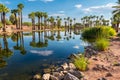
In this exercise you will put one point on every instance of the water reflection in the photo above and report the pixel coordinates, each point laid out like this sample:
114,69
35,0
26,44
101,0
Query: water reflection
38,50
5,52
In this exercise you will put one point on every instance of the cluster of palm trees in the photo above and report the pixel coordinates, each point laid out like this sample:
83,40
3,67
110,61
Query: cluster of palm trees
18,15
116,16
92,21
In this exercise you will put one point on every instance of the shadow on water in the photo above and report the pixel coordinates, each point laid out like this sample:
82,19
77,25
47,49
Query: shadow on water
24,54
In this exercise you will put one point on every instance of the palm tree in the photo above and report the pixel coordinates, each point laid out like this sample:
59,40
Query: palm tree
38,15
4,10
52,21
45,20
41,16
74,20
20,6
116,15
15,11
32,17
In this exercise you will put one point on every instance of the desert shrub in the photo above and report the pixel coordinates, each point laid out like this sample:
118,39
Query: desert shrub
8,22
101,44
27,23
94,33
81,63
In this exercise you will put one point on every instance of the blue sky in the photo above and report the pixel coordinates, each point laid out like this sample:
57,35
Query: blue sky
64,8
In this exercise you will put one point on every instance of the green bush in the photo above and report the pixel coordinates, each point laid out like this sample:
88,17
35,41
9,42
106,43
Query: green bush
81,63
101,44
94,33
27,23
8,22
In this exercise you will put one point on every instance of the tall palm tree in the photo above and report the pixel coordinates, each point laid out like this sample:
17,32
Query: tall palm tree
4,10
15,11
41,17
52,21
45,19
32,17
116,15
38,15
74,20
21,6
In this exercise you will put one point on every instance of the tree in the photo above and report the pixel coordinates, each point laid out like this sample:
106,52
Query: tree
38,15
15,11
116,15
4,10
52,21
32,17
45,20
12,18
20,7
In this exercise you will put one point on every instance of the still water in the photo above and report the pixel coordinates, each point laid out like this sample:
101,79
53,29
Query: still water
23,54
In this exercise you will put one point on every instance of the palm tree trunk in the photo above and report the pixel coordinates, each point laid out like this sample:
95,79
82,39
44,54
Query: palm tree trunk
4,23
21,20
38,23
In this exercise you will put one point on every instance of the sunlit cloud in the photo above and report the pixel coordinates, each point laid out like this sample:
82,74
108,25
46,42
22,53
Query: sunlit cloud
31,0
99,8
42,53
57,14
78,6
76,47
47,1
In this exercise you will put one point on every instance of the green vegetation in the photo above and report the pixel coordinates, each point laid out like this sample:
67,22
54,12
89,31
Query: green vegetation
27,24
95,33
8,22
101,44
81,63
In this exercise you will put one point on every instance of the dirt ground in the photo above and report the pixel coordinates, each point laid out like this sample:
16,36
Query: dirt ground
105,65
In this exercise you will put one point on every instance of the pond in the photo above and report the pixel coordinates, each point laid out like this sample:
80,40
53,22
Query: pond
23,54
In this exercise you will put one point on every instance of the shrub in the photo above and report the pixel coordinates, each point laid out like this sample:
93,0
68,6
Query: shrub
101,44
27,24
8,22
81,63
94,33
1,25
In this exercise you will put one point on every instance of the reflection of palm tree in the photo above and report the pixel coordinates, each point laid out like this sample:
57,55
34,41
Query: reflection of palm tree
32,43
58,36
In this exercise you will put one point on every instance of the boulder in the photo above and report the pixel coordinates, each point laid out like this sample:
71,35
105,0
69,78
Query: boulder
46,77
69,76
77,73
53,77
65,66
58,75
102,78
108,74
37,77
72,66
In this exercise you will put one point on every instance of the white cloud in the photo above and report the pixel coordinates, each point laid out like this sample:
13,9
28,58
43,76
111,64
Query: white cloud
6,2
78,6
97,8
47,0
61,11
76,47
31,0
43,53
57,14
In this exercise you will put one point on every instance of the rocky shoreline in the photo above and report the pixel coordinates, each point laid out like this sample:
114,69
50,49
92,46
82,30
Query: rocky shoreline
103,65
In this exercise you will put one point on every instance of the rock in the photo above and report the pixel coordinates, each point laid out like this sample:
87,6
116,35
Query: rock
108,75
69,76
72,66
37,77
53,77
73,56
102,78
59,69
76,73
46,77
64,66
47,70
95,59
116,64
58,75
100,67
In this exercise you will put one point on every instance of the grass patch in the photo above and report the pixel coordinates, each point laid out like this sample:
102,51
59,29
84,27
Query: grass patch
81,63
101,44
